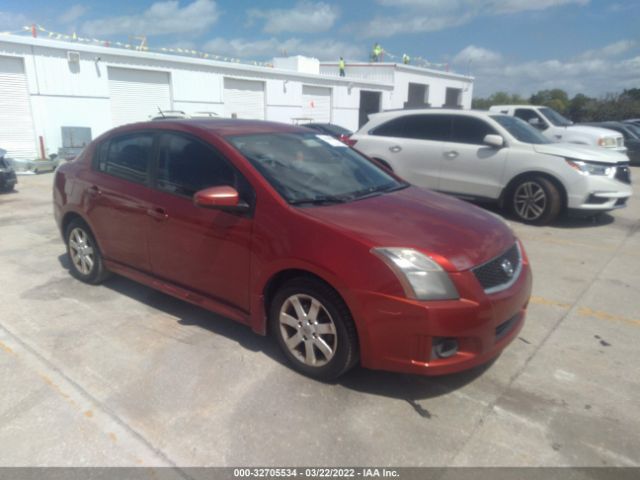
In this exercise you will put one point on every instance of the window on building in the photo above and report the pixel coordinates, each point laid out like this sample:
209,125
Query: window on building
418,96
127,157
453,97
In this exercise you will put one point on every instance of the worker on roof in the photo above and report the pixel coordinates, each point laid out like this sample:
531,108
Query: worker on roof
341,66
377,53
406,59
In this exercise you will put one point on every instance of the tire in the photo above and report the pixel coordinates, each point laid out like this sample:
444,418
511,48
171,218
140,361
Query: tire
314,321
85,258
535,200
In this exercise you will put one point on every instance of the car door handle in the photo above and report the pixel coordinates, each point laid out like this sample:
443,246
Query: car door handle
395,149
94,191
157,213
451,154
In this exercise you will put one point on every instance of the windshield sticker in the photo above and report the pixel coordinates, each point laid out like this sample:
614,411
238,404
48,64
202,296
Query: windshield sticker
334,142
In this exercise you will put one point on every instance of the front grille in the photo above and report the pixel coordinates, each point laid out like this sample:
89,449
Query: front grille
501,272
623,174
621,202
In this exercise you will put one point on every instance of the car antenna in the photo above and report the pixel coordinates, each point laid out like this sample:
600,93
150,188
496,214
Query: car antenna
160,111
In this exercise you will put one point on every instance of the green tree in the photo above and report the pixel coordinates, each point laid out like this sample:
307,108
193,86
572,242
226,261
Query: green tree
555,98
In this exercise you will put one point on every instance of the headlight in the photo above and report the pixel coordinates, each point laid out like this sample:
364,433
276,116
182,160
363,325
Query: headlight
421,277
608,142
590,168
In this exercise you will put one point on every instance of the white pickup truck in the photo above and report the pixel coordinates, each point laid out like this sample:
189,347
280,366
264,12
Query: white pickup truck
560,129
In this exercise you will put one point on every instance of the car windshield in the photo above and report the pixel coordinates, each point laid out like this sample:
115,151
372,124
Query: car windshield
555,118
520,129
635,129
313,169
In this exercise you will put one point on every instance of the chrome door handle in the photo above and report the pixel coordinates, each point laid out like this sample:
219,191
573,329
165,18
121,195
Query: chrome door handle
157,213
395,149
451,154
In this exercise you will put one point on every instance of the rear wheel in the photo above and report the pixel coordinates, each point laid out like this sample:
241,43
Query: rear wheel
84,255
314,328
535,200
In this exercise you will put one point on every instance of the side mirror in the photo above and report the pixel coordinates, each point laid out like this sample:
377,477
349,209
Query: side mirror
221,198
537,123
495,141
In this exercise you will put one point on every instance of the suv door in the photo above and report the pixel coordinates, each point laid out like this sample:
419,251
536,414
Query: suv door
472,168
117,196
205,250
412,145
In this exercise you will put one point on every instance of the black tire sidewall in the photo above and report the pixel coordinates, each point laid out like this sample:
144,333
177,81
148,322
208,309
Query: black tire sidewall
346,351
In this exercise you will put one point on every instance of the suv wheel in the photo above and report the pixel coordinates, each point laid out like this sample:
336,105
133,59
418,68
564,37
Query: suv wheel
314,328
84,254
535,200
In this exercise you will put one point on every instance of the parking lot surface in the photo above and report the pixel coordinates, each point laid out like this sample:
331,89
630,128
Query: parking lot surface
122,375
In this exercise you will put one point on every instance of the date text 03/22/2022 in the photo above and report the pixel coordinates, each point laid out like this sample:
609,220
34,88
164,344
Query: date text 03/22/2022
315,472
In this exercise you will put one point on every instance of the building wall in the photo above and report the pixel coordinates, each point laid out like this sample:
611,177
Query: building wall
77,94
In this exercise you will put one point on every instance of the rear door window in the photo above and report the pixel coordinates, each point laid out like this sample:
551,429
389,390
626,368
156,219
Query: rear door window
420,127
127,157
471,130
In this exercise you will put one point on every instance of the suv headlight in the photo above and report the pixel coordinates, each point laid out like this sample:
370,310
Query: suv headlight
420,276
591,168
608,142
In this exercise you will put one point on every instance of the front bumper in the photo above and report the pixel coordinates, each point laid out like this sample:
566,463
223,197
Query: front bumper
597,194
398,334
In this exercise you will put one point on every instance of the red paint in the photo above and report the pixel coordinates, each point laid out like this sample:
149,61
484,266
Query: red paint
224,261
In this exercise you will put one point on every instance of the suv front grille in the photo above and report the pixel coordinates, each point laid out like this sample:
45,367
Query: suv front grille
501,272
623,173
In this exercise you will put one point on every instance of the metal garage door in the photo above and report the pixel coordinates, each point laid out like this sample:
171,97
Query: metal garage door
137,94
17,135
243,98
316,103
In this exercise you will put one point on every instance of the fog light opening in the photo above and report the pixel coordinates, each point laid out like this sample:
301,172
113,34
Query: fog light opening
444,347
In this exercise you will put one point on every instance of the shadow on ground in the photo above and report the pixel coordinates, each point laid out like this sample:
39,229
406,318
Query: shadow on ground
409,388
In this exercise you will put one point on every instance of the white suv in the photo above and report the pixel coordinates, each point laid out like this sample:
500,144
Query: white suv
484,156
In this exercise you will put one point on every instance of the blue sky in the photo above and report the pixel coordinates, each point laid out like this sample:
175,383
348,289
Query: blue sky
521,46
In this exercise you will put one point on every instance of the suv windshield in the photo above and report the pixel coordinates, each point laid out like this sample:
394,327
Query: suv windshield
555,118
306,168
520,129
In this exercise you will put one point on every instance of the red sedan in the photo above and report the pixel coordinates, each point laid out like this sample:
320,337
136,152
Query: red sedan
297,235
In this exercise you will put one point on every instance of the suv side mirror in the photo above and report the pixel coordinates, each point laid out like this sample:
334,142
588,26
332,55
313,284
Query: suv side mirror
495,141
223,197
537,123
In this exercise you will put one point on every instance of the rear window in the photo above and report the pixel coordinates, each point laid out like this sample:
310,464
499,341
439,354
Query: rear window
127,157
418,127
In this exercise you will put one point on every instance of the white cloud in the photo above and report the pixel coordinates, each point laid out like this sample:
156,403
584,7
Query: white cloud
432,15
304,17
259,49
73,13
590,73
165,17
12,22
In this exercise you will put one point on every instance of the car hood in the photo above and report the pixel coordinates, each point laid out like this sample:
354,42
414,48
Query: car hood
581,152
438,225
593,131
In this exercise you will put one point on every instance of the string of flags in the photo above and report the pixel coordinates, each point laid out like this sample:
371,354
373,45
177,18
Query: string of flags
419,61
36,29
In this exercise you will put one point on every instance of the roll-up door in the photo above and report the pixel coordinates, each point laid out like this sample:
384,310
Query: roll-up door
243,98
316,103
17,135
137,94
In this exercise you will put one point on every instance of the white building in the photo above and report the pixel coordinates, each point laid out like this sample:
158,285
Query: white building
46,85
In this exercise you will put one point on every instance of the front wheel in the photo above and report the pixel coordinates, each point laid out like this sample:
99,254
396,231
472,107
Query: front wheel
536,201
314,328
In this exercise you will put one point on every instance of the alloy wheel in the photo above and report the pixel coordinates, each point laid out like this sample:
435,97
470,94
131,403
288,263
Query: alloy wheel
308,331
530,201
81,251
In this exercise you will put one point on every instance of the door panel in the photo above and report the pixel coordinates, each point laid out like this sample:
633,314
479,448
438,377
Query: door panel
205,250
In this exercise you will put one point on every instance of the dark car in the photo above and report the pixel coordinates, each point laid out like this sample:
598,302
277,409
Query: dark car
296,235
631,134
8,177
336,131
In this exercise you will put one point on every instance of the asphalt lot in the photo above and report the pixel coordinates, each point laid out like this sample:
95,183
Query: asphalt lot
122,375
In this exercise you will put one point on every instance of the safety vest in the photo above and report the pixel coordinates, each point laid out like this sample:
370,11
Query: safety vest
341,64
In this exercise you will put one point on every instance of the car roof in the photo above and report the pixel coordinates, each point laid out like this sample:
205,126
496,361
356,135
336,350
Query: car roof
217,126
432,111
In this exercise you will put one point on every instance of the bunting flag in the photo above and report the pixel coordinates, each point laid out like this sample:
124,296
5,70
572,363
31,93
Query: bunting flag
418,61
74,37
